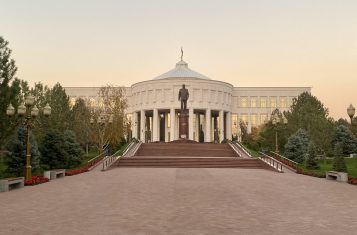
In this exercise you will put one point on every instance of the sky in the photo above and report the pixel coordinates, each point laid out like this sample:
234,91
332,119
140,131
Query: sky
246,43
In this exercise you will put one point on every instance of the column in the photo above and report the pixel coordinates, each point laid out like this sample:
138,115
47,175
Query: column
135,125
221,125
142,126
208,126
190,124
172,124
229,125
155,125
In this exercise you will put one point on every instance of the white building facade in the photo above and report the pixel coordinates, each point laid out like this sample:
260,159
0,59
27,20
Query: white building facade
215,108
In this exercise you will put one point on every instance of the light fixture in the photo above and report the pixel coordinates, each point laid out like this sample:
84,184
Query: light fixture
47,110
34,111
29,100
10,111
21,110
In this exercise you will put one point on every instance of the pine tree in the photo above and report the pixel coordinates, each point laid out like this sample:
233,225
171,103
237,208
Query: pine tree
9,91
339,163
17,156
311,161
344,136
297,146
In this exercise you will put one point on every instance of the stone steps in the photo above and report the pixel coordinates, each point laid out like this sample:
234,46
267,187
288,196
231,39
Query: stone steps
188,155
186,149
192,162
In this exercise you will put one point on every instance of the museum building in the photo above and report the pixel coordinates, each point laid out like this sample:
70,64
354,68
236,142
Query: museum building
215,108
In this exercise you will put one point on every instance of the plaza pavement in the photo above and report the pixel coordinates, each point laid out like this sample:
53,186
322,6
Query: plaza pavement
181,201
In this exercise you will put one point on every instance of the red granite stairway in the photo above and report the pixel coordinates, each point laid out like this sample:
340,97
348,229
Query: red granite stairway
188,155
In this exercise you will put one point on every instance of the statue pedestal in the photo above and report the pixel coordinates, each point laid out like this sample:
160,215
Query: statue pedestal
183,126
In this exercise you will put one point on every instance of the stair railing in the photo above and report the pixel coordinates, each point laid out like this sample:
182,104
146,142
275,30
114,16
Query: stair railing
110,160
242,148
271,162
286,161
91,163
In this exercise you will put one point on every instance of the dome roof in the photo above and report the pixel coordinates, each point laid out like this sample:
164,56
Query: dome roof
181,71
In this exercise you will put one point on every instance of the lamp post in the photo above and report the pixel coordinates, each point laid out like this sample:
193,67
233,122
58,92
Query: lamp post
351,112
30,113
276,119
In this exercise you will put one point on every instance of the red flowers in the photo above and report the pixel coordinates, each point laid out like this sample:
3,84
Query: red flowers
36,179
84,168
76,171
352,180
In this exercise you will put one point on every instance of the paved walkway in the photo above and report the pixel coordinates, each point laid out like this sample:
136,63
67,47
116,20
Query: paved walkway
181,201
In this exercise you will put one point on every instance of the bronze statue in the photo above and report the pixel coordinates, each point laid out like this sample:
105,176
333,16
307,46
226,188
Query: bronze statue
183,96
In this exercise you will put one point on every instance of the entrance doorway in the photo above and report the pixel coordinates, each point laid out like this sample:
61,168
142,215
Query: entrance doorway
162,127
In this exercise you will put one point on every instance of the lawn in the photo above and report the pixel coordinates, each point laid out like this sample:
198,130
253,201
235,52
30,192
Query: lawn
326,165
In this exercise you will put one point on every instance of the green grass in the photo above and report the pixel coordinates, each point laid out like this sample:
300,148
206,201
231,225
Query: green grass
326,165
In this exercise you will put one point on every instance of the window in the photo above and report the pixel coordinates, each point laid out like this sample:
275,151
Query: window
263,118
235,124
263,102
244,118
253,118
283,102
243,102
92,102
273,102
72,101
253,102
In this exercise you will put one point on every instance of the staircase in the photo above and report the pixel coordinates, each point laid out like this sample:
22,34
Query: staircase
186,150
189,155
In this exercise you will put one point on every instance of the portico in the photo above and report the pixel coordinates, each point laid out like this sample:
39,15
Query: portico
162,125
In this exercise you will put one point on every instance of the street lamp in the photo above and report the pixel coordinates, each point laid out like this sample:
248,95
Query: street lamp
29,113
276,119
351,112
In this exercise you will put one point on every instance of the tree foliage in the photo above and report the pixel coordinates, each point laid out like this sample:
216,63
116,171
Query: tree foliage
9,90
339,163
60,150
311,157
308,113
112,103
80,121
344,136
59,102
16,160
297,146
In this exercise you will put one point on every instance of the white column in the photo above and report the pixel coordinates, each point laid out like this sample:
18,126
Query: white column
208,126
190,124
142,125
221,125
172,124
229,125
155,125
135,125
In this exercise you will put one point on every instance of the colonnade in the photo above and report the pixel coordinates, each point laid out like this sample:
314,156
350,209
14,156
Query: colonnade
158,125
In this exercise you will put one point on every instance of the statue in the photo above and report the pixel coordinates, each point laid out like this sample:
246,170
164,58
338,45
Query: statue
183,96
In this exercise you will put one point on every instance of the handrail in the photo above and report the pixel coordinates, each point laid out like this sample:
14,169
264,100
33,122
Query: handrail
243,148
109,160
93,161
271,161
286,161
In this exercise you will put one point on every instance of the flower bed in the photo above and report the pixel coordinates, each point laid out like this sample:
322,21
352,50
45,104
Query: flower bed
352,180
36,179
76,171
314,174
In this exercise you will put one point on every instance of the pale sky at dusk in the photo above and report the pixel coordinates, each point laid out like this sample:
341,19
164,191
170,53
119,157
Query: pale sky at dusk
246,43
